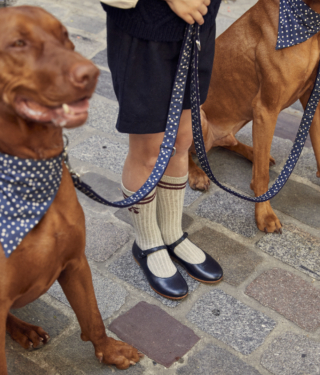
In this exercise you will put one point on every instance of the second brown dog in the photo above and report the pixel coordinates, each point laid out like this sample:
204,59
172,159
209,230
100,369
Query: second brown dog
253,81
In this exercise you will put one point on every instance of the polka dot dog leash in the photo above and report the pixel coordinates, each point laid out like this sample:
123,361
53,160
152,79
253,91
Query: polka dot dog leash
297,23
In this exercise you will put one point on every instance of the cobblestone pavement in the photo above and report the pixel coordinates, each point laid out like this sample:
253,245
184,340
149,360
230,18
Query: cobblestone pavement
263,318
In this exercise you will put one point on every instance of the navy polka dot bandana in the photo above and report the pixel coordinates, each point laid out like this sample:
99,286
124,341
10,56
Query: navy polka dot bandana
297,23
27,189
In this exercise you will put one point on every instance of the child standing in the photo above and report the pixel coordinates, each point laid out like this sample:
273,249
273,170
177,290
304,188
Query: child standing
143,47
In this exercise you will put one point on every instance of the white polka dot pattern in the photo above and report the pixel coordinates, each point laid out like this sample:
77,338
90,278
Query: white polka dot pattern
27,189
290,10
297,23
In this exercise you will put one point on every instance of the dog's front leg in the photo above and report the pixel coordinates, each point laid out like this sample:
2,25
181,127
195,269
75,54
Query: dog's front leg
4,310
76,282
264,123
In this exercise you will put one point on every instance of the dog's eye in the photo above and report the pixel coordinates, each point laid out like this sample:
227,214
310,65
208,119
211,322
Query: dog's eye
19,43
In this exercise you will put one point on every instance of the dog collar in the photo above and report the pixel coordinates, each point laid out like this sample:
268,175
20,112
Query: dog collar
297,23
27,189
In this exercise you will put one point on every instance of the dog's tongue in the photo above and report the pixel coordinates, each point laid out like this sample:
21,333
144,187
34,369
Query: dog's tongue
73,114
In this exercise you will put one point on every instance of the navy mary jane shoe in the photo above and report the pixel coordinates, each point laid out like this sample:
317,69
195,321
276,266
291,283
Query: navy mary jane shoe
207,272
174,287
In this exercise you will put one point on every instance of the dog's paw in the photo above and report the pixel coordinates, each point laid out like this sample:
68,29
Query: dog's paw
267,221
198,180
27,335
118,353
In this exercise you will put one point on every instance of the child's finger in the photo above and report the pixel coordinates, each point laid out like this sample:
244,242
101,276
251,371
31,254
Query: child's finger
197,16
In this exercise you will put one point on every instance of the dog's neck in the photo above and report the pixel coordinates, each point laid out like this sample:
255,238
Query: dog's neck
28,140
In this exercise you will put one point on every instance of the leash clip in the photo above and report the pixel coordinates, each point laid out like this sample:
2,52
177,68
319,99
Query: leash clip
174,150
198,45
65,158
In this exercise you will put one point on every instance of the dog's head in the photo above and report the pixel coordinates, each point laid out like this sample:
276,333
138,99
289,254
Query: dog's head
42,79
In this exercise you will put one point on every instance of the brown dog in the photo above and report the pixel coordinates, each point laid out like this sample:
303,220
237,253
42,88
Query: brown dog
39,74
253,81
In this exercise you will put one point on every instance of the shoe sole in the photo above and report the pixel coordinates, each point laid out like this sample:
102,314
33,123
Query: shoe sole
162,295
201,281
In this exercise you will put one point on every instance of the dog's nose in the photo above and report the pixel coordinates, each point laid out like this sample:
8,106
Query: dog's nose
84,75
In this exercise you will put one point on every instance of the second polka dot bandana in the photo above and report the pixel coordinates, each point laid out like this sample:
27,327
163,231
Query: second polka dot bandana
297,23
27,189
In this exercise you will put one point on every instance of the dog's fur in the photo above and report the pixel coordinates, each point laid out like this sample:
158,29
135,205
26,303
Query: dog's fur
253,81
40,70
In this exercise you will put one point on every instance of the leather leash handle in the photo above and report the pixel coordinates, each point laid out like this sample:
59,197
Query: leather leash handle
297,147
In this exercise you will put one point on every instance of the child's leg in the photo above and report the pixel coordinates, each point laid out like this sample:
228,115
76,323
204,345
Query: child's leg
171,191
143,152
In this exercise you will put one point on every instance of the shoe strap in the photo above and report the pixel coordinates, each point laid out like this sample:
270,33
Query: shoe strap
145,253
175,244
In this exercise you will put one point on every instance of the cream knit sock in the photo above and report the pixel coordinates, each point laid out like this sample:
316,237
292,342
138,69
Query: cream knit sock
148,235
171,191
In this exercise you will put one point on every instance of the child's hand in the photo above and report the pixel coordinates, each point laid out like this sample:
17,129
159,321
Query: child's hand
190,11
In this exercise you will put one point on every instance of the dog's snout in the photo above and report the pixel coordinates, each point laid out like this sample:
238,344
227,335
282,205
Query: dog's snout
84,75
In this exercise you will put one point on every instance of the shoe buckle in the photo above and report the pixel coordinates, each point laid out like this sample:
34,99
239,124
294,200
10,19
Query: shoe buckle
141,255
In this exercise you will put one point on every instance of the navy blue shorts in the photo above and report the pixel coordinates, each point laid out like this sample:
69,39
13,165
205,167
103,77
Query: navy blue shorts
143,73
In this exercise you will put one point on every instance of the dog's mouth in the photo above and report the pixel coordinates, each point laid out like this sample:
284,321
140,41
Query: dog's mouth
66,115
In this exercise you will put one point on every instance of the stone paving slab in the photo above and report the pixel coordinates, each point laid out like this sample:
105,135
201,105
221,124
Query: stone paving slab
230,211
102,152
103,116
103,238
19,365
291,354
295,247
235,9
289,295
108,189
101,58
287,127
229,320
110,296
154,333
39,313
74,357
306,203
88,24
213,360
105,87
307,167
222,24
191,196
84,45
127,269
232,169
236,260
58,11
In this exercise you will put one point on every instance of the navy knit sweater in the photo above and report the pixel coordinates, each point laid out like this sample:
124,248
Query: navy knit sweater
154,20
